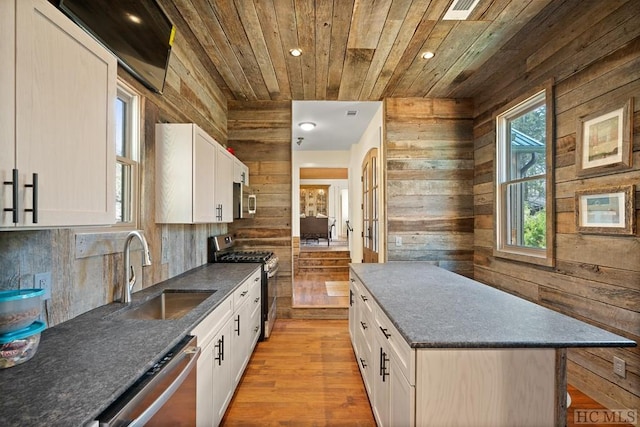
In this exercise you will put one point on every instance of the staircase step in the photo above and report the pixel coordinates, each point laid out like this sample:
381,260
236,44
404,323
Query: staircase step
327,262
323,269
325,254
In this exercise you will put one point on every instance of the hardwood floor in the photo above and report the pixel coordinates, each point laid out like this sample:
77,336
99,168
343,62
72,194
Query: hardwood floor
306,375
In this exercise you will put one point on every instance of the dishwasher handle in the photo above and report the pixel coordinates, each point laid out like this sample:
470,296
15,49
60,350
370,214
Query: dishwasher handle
149,412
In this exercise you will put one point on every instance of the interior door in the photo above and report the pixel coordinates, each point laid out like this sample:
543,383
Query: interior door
370,214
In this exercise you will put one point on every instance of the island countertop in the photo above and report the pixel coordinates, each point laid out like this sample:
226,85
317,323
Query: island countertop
435,308
84,364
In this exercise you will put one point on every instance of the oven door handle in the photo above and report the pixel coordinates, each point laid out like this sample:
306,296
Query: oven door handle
273,272
147,414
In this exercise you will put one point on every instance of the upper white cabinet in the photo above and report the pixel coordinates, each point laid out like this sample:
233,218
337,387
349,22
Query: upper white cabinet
194,176
185,174
58,91
224,185
240,172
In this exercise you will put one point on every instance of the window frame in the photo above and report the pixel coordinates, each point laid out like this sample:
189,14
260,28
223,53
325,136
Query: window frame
503,249
131,156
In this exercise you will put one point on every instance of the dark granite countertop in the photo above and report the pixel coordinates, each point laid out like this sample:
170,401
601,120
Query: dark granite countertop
84,364
435,308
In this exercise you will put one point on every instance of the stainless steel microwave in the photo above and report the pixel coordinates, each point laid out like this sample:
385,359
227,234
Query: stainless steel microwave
244,204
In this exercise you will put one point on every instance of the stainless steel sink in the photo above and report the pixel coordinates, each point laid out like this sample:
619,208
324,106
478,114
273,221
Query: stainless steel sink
169,305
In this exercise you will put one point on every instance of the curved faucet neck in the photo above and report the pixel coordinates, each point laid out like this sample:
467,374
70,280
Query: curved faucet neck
129,275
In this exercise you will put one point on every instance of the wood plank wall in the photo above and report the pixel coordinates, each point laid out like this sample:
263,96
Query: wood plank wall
596,277
260,134
429,181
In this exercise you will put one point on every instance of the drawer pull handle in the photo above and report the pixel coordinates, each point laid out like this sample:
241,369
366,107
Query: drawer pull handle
364,298
385,332
362,362
34,199
257,299
364,325
14,196
243,293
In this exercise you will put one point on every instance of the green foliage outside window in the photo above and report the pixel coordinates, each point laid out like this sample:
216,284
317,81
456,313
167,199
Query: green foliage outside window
535,228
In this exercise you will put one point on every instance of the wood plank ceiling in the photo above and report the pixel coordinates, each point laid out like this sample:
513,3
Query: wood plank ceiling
362,50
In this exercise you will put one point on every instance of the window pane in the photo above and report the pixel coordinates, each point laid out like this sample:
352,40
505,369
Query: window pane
526,214
527,152
123,180
121,115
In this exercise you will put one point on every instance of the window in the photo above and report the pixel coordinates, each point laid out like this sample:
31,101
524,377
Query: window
127,148
524,186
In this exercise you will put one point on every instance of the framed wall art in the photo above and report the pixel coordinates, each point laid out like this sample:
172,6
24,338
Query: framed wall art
606,210
604,141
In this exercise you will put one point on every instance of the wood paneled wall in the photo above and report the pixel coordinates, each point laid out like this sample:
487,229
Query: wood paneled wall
429,181
596,277
260,134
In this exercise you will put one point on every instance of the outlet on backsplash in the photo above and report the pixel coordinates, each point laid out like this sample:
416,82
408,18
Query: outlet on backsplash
43,281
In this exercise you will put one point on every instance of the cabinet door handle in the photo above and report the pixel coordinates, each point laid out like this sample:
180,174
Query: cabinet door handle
34,199
362,362
256,329
350,298
220,347
257,299
243,293
385,332
14,196
364,325
383,365
238,322
257,279
364,298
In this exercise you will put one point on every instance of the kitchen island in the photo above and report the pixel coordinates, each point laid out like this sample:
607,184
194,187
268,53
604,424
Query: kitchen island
86,363
437,348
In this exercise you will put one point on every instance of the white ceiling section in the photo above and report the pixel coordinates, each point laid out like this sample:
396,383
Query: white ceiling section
337,128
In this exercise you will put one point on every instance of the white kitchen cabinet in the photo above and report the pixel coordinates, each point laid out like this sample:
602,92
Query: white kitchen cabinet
362,333
185,174
223,193
194,176
240,172
244,327
214,364
58,91
226,349
393,395
385,360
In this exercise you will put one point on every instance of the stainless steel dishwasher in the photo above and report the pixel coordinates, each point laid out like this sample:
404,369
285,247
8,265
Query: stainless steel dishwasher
164,396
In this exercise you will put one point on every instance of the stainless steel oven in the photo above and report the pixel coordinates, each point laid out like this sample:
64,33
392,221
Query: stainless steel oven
222,249
164,396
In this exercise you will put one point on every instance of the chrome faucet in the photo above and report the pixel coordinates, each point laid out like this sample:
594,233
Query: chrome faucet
129,274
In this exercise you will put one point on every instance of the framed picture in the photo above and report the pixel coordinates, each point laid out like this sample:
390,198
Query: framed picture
604,141
606,211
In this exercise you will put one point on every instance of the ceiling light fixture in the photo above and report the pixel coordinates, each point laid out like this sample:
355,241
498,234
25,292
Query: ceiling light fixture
307,125
428,55
295,52
133,18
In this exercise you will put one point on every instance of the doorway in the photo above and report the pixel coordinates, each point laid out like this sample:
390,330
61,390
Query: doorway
343,134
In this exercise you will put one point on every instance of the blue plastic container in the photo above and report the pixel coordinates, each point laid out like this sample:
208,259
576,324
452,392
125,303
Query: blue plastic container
19,308
19,346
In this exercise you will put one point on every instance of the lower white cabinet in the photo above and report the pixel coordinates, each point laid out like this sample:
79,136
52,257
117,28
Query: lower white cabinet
226,349
447,386
385,360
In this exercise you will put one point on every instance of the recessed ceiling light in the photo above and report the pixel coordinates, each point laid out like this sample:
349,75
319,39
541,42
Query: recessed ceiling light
307,125
428,55
295,52
133,18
